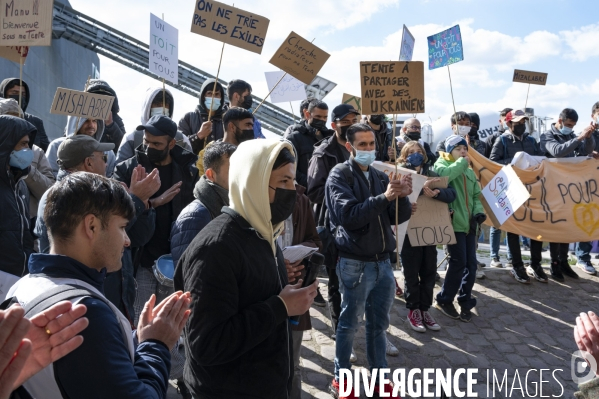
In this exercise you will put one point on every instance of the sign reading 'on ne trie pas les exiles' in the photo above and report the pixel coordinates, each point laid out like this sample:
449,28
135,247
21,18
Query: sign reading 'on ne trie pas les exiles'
299,58
231,25
26,22
392,87
535,78
82,104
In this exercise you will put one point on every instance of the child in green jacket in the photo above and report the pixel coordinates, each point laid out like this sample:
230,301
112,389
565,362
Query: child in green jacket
468,215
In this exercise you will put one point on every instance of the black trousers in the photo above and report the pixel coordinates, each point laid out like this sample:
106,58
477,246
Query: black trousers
419,270
559,252
334,298
536,247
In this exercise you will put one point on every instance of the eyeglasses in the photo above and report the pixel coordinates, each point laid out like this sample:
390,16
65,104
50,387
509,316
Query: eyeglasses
104,157
413,127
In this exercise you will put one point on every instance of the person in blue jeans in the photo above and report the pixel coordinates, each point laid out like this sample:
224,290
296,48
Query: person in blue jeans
495,241
362,202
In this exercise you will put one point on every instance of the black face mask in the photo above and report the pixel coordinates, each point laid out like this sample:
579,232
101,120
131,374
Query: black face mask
519,130
156,156
318,124
377,119
247,102
473,131
414,136
343,132
283,205
243,135
23,100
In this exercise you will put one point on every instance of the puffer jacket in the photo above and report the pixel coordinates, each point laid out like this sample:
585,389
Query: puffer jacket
556,145
114,132
508,144
467,203
303,137
192,121
41,138
16,242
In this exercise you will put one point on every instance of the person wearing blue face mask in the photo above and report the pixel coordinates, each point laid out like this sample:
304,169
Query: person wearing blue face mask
362,202
16,242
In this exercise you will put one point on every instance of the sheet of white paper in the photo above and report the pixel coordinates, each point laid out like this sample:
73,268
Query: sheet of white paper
297,252
505,193
290,89
164,49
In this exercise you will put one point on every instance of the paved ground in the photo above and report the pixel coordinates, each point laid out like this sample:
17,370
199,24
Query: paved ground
517,327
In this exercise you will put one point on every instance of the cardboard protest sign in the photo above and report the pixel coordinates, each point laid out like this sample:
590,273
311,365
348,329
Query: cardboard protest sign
417,184
392,87
407,45
353,100
13,53
299,58
534,78
80,103
26,22
231,25
505,193
564,199
431,224
164,49
445,48
289,89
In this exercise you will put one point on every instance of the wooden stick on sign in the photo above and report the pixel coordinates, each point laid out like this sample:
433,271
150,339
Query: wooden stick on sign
455,114
396,199
21,78
77,120
163,89
527,91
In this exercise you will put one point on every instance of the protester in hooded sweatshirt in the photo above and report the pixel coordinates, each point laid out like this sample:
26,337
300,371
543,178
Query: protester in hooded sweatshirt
86,215
303,107
239,127
502,129
195,124
89,127
474,140
114,128
384,137
154,103
40,177
16,242
240,95
411,131
238,340
561,142
211,194
306,134
515,140
10,88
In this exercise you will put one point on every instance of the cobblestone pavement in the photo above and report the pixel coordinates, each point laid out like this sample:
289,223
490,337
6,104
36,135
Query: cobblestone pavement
516,327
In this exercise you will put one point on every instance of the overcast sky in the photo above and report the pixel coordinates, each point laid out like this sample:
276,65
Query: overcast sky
555,36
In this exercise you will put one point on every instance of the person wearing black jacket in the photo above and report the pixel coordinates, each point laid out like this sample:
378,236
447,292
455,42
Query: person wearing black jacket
195,124
384,137
362,203
305,134
238,338
114,128
10,88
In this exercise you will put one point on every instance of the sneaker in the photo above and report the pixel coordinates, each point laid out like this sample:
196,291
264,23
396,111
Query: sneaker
387,388
429,322
437,277
480,264
496,263
334,391
567,270
466,315
352,357
448,309
556,272
415,320
520,275
586,267
537,273
479,273
391,349
319,300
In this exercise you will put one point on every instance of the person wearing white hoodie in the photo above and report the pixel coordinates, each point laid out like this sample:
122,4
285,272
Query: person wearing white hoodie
154,104
238,339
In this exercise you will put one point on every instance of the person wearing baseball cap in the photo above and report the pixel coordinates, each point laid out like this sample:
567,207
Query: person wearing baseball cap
83,153
178,176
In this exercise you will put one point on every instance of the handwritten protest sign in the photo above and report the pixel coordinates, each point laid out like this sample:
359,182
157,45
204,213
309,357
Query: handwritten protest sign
535,78
445,48
564,199
431,224
505,193
231,25
13,53
392,87
299,58
26,22
352,100
289,89
319,88
417,184
164,49
407,45
80,103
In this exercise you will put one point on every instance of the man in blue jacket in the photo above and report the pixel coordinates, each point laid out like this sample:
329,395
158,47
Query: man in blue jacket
362,202
86,215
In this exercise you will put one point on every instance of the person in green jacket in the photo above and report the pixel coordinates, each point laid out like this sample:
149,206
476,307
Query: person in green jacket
467,216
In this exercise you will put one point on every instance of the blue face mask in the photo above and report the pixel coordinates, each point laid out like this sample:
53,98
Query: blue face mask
208,102
415,159
21,159
565,130
597,120
364,158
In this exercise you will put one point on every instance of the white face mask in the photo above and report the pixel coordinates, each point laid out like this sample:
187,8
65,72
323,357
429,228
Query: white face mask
463,130
159,111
